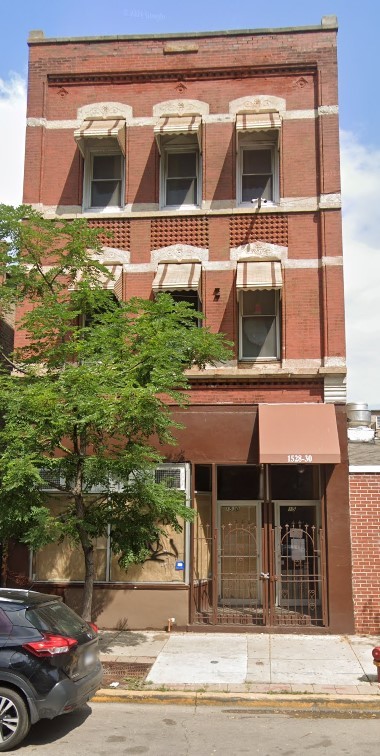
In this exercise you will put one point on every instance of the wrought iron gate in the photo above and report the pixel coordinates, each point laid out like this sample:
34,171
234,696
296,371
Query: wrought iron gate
259,576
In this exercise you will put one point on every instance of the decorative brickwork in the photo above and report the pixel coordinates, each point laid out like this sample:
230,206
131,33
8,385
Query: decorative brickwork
267,228
120,231
186,230
365,545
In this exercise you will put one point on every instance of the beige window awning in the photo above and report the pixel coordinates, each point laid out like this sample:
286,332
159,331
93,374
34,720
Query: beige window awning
112,128
171,125
177,277
258,275
113,280
298,434
257,121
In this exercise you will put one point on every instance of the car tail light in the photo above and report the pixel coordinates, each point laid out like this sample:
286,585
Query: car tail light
50,645
94,627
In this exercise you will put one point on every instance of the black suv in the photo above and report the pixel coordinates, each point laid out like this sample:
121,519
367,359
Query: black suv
49,661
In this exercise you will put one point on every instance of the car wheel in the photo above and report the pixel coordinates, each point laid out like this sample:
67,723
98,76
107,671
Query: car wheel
14,719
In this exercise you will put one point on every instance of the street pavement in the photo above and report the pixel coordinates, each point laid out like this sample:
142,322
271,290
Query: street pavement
246,664
118,729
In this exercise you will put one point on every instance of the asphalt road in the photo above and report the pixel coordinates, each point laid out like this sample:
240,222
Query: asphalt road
170,730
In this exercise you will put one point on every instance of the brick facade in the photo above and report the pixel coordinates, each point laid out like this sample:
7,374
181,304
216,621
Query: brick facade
365,544
288,78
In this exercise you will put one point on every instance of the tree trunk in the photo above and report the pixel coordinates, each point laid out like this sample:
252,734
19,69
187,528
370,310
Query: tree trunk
4,563
88,588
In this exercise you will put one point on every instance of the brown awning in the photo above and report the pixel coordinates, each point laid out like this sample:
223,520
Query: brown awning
257,121
170,125
113,128
258,275
177,276
298,434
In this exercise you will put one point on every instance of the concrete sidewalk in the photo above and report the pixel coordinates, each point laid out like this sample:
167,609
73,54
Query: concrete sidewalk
241,663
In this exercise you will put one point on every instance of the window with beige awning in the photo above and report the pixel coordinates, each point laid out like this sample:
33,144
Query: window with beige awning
90,129
178,277
253,276
175,125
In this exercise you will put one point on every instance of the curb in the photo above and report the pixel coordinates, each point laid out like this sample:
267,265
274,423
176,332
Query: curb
367,705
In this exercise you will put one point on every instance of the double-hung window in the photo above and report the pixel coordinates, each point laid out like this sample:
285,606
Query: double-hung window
257,172
259,324
258,160
105,179
259,288
179,144
102,144
182,281
180,172
181,176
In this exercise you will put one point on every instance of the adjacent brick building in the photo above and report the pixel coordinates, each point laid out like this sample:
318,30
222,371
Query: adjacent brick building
364,469
213,158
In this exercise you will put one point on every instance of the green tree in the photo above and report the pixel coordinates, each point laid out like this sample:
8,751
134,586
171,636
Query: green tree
94,382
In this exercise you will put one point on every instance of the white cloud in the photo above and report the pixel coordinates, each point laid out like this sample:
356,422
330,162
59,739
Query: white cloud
361,239
12,138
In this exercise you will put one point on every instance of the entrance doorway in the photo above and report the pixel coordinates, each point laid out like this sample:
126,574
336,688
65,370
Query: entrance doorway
265,559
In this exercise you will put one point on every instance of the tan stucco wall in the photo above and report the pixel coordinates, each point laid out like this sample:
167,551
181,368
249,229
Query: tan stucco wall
133,608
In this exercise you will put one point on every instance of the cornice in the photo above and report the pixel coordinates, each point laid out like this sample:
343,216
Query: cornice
130,77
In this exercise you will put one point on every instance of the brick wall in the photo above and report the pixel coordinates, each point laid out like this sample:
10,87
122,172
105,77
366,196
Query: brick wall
299,66
365,544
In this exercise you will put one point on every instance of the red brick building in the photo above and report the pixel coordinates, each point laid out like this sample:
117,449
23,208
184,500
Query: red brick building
364,470
213,158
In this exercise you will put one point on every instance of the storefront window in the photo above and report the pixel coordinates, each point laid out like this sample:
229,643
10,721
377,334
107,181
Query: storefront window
238,482
294,482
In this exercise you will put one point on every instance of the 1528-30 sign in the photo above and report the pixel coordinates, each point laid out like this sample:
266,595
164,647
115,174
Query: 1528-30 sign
300,458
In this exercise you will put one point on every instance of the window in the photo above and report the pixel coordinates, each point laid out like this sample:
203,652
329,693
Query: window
258,168
257,174
192,298
259,325
106,180
102,144
182,281
64,561
180,162
103,176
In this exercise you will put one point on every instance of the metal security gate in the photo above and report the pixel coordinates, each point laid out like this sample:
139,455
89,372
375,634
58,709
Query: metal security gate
256,574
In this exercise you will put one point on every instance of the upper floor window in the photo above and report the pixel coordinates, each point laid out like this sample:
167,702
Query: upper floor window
180,172
179,143
105,180
181,177
192,298
182,281
102,143
257,174
259,325
258,161
258,287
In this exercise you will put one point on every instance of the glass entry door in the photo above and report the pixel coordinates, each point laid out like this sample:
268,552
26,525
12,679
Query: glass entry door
297,562
239,558
258,561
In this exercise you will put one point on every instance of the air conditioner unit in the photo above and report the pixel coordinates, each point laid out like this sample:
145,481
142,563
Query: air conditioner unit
174,476
100,488
52,480
114,486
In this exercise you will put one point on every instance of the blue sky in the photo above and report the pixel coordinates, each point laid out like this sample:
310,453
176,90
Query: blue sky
359,117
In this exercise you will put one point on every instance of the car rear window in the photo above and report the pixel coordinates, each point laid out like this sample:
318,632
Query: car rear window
56,618
5,624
